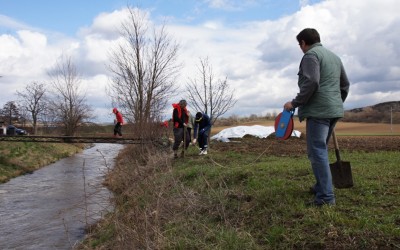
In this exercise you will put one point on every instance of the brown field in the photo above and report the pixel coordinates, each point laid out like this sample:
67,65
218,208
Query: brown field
368,137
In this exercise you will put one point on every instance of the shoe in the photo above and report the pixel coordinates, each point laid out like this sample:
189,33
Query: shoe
318,204
203,152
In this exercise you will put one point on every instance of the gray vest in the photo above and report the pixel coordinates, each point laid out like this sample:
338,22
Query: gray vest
326,101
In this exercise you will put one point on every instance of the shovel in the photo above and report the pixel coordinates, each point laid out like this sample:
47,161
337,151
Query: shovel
340,170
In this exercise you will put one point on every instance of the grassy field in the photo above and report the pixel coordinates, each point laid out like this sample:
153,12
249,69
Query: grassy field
233,202
248,199
17,158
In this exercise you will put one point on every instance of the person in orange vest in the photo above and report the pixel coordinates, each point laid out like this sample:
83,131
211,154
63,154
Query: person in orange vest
119,121
180,119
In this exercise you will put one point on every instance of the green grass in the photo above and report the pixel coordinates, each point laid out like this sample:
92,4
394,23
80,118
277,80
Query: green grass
17,158
261,204
227,200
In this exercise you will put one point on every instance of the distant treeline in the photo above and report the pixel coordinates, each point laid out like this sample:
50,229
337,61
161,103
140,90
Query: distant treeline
386,112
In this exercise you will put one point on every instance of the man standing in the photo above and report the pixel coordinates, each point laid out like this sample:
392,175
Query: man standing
180,119
118,122
203,126
324,87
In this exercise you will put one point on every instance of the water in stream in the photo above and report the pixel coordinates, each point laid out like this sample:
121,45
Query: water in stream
50,208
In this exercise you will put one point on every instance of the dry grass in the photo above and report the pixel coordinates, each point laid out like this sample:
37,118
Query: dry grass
227,200
17,158
141,206
223,202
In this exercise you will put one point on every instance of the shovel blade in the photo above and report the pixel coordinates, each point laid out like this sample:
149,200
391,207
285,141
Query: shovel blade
341,174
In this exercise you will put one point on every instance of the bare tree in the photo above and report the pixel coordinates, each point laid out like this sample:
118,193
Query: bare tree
33,101
10,112
206,94
144,69
68,105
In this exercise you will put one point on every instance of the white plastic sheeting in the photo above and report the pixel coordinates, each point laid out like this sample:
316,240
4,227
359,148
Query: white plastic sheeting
240,131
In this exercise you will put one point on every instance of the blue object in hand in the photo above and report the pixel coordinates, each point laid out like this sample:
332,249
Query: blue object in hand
284,124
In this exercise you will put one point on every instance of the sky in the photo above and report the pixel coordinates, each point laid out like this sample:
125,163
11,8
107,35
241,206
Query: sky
251,43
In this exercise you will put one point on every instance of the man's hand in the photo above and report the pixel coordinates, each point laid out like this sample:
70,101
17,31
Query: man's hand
288,106
194,141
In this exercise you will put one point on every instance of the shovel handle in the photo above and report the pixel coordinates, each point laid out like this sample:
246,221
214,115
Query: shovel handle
336,145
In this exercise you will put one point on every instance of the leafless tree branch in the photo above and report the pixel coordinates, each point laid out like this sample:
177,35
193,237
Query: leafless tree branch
144,68
33,101
68,105
205,94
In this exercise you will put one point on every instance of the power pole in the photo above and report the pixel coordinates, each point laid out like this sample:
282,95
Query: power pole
391,119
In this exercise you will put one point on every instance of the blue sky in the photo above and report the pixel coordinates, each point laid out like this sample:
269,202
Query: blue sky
250,42
61,16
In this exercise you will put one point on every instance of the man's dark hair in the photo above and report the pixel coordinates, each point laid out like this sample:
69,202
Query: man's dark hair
309,36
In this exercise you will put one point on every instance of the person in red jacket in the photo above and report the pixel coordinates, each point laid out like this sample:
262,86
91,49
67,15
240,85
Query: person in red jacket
118,122
180,119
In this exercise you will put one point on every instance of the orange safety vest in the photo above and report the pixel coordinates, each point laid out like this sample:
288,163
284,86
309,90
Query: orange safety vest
179,109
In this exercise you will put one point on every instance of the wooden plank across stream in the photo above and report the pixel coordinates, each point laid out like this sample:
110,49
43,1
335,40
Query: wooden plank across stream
72,139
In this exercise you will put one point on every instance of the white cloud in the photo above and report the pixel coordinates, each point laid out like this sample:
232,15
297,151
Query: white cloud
303,3
260,59
10,23
105,25
24,58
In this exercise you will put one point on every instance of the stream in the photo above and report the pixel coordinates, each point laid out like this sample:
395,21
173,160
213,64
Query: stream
50,208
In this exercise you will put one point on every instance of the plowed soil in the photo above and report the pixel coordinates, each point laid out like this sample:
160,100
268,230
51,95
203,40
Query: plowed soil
297,146
368,137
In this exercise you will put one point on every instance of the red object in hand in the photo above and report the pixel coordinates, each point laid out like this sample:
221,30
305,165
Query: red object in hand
284,125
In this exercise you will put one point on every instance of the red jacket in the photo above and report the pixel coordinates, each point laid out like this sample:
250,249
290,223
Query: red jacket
118,116
179,117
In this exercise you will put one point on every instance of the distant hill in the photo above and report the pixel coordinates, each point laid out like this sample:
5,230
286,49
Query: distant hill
386,112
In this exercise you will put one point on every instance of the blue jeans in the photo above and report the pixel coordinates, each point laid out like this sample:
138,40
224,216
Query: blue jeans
203,139
318,132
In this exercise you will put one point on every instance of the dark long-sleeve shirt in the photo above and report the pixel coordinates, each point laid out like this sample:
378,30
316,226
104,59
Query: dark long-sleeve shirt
204,125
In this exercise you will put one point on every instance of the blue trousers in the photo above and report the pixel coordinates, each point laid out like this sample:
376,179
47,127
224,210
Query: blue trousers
202,138
318,132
